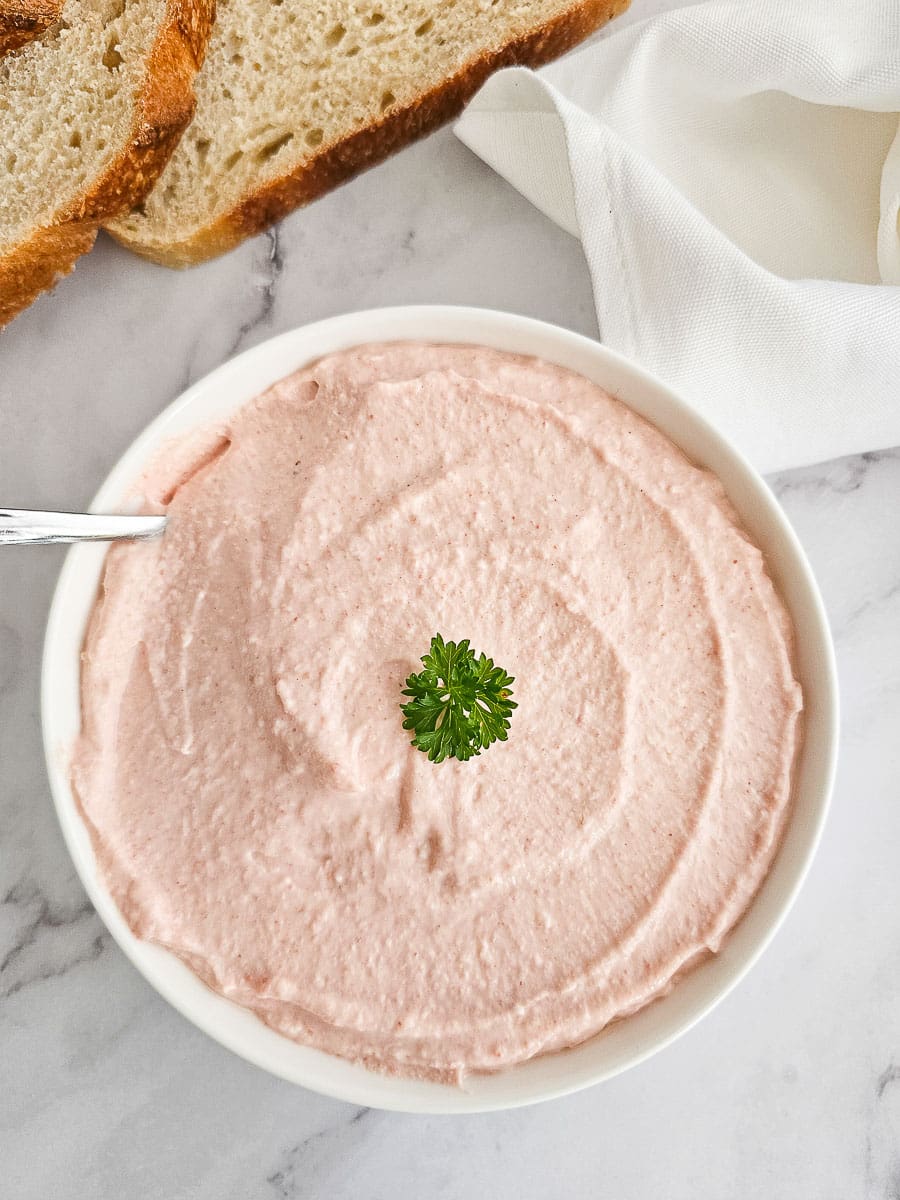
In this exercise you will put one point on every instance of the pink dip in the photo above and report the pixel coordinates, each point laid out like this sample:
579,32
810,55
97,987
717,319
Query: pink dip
256,806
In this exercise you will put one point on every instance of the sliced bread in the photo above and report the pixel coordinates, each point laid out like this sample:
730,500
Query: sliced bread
89,113
298,95
23,20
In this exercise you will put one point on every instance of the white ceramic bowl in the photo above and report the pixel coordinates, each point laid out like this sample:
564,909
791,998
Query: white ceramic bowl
626,1042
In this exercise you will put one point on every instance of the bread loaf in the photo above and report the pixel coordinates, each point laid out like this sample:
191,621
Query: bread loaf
298,95
90,110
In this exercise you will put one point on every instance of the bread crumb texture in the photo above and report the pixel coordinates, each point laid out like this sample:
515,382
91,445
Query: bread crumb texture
290,85
67,105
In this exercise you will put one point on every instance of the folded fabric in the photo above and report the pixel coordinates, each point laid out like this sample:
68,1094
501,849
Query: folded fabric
733,172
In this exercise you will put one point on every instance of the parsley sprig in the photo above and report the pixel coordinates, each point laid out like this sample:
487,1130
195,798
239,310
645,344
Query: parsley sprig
459,704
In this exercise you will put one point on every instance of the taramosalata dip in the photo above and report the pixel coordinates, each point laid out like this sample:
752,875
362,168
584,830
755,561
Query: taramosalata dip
254,803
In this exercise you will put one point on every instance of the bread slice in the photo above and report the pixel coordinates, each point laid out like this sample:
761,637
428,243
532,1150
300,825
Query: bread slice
89,113
23,20
298,95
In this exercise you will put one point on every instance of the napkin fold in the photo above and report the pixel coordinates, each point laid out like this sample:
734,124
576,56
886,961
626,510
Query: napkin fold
733,172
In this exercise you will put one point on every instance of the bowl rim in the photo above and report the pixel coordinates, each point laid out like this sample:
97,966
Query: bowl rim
625,1043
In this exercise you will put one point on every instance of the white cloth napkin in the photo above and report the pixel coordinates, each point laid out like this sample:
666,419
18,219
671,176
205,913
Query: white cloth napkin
733,171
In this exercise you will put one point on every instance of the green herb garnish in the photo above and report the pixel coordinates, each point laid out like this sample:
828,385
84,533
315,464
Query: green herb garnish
460,703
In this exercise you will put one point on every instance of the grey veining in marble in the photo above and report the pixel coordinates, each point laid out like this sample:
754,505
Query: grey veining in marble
789,1090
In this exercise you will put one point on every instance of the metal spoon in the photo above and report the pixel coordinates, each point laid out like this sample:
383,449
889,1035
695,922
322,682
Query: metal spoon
23,527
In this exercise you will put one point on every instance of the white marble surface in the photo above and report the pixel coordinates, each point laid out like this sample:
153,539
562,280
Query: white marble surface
790,1089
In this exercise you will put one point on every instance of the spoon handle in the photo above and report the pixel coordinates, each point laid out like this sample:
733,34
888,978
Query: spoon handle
23,527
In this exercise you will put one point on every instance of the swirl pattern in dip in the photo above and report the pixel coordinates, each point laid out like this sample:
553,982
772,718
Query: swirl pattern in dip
253,801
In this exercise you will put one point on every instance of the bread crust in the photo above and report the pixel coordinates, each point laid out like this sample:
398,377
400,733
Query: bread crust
334,164
162,113
21,21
